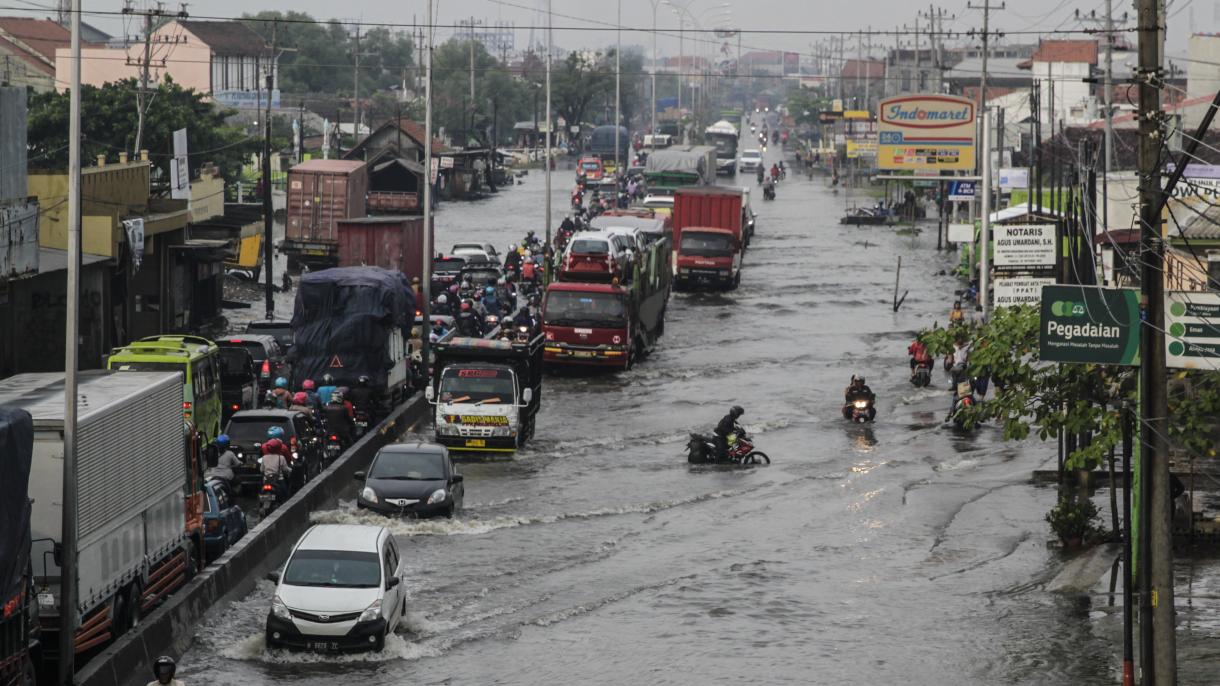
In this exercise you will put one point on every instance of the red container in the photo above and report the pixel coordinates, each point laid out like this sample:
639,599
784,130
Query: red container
709,207
320,193
388,242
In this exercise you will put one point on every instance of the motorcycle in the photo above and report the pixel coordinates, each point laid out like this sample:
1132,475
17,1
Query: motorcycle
701,450
361,422
963,401
268,498
859,411
922,376
522,334
769,192
333,448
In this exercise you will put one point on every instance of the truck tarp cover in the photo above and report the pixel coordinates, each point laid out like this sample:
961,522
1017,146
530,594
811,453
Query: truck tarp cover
341,320
16,452
675,161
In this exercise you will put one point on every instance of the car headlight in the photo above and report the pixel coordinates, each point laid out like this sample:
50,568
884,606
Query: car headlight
438,496
371,612
370,495
279,609
501,431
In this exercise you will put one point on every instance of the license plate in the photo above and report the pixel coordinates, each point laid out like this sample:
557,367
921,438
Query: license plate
583,353
46,600
476,443
322,645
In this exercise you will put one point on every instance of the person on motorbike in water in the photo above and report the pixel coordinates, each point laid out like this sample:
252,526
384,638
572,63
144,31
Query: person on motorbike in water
226,463
300,403
163,672
728,426
311,390
775,172
467,322
339,419
956,315
856,390
361,396
441,306
769,187
919,356
761,174
325,390
281,394
276,468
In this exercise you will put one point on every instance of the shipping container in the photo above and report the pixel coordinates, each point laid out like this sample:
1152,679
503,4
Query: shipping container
320,193
387,242
708,238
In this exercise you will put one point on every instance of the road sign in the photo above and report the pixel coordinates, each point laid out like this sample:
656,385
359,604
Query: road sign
1192,322
1089,324
963,190
961,233
1010,291
1024,247
1015,177
926,132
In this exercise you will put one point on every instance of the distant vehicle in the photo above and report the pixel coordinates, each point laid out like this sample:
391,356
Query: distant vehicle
596,257
708,225
723,135
660,140
281,329
660,203
238,381
18,595
320,194
224,523
247,432
460,249
475,256
412,479
445,271
590,169
198,361
751,161
481,274
341,590
602,140
270,360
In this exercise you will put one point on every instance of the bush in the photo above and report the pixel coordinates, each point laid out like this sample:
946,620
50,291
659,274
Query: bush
1074,519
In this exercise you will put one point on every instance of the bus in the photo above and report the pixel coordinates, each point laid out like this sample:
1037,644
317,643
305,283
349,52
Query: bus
199,361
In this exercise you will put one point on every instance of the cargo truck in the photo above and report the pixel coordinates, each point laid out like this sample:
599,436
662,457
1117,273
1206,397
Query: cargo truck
351,322
19,631
487,392
320,193
386,242
135,473
610,324
723,135
708,237
680,165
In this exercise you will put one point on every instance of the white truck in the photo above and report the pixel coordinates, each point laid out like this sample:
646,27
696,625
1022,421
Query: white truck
133,545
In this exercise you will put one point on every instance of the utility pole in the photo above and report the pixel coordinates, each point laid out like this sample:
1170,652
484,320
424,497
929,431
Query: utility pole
549,125
473,107
1107,22
985,239
425,279
681,61
618,33
145,65
653,126
68,561
1156,558
986,7
356,87
268,210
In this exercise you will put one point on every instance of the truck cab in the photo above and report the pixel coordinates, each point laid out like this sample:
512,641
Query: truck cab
588,324
590,169
708,256
486,392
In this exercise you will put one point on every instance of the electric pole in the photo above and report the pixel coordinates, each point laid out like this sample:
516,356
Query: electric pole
425,278
986,7
145,65
1158,650
356,87
268,209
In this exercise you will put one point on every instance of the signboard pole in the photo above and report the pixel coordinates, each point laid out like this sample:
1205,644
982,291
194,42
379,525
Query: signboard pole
984,243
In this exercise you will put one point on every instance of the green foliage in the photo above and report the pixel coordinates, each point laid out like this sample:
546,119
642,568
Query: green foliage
806,104
1074,518
577,82
109,121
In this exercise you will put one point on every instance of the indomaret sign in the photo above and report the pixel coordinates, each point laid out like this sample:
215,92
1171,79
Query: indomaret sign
934,132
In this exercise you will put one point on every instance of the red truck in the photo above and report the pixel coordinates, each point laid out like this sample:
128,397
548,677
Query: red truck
387,242
610,324
708,239
320,194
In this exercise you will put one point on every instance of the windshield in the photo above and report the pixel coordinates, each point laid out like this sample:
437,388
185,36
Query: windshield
482,276
394,464
338,568
706,244
726,144
570,308
751,155
478,386
250,430
448,266
233,362
591,166
585,246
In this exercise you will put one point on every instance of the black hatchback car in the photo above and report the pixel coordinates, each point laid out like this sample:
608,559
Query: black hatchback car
412,479
247,433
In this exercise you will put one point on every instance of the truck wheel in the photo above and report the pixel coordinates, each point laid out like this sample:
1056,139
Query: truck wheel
134,612
736,281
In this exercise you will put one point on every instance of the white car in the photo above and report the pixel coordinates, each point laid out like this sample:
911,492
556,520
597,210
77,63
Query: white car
659,202
751,161
340,590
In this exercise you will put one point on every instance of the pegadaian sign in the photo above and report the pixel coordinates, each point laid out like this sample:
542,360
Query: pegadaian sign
1089,324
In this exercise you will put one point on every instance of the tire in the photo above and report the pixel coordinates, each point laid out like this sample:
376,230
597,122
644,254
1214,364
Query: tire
119,612
449,512
756,457
379,645
134,612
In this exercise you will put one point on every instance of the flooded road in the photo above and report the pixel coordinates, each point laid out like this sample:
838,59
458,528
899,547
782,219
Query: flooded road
903,552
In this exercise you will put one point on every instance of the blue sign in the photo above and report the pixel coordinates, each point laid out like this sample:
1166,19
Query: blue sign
963,190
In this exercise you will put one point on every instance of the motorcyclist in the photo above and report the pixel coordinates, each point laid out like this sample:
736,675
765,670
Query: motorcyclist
163,670
325,390
761,174
281,394
782,172
769,187
339,419
728,426
311,390
856,390
490,301
441,306
276,468
361,396
300,403
775,172
467,322
226,463
512,260
529,270
919,356
525,318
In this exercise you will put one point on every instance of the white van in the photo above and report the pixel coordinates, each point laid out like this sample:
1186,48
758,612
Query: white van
341,590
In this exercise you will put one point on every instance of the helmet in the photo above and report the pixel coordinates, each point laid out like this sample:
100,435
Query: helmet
222,440
164,668
362,381
442,299
478,295
465,305
281,382
512,247
308,385
272,446
736,411
453,289
275,432
530,233
528,253
328,380
414,279
860,380
300,398
490,290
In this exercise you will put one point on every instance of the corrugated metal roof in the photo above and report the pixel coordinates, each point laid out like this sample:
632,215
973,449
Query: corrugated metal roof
227,37
1201,225
333,166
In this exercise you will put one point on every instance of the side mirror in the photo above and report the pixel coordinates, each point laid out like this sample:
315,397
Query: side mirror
430,394
458,478
528,396
358,476
273,577
392,582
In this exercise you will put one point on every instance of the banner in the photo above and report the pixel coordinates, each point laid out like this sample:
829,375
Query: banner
963,190
926,132
1089,324
1019,290
1192,324
135,241
179,172
1024,247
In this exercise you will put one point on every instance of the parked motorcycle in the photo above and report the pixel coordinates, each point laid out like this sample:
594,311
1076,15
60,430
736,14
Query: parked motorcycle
701,450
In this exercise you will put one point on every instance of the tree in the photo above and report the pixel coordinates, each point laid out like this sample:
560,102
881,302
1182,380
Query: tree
108,125
317,57
575,83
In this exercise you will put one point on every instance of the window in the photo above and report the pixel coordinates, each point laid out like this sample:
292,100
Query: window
403,466
388,570
334,568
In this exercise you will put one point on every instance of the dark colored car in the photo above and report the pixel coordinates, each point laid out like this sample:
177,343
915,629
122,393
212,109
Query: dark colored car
238,381
445,271
270,361
282,330
247,432
223,521
412,479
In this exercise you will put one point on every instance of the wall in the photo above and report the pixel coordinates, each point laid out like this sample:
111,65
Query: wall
1070,90
33,314
13,118
187,62
109,193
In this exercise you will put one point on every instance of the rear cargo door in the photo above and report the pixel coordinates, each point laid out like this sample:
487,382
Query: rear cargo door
333,206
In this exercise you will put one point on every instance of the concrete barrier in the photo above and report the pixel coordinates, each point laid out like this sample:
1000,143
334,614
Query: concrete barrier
169,629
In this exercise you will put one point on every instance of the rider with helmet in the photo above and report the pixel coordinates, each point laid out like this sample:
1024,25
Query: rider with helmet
276,468
856,390
441,306
727,427
339,419
325,390
467,322
311,390
280,393
490,301
361,396
163,670
300,403
226,463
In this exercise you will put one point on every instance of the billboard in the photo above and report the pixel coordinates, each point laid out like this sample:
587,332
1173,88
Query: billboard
1090,324
934,132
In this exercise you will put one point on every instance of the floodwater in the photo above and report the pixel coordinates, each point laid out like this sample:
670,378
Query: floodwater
903,552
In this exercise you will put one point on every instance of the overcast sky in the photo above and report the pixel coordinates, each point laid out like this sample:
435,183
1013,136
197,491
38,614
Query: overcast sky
808,15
